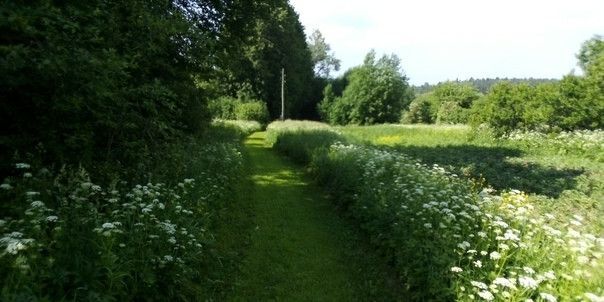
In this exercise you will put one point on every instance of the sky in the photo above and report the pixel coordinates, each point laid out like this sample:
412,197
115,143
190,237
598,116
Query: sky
439,40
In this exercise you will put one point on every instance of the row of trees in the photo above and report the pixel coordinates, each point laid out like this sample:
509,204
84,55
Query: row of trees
483,85
377,92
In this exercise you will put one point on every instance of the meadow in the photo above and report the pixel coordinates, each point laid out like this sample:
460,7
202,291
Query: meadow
463,215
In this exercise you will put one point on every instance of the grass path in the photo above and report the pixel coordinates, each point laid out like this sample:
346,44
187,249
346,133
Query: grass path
301,250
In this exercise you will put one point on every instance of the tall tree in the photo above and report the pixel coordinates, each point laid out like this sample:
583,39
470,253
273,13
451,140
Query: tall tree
323,59
377,93
590,51
102,75
260,39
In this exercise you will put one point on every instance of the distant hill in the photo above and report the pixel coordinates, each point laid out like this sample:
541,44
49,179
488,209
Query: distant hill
483,85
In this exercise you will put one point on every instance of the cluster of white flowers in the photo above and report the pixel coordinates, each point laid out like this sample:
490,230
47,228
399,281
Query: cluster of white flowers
490,234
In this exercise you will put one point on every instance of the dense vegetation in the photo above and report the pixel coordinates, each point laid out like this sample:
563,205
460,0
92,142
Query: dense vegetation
123,174
367,94
376,92
483,85
451,238
115,185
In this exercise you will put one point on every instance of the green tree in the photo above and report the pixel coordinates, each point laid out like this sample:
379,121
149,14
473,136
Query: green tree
590,51
377,92
323,58
503,108
102,80
419,110
450,102
262,38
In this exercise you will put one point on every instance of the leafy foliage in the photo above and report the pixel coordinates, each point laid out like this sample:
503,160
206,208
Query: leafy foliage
419,110
322,58
591,51
260,38
108,77
228,108
376,93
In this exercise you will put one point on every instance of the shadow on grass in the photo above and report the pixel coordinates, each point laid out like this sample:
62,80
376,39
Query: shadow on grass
501,167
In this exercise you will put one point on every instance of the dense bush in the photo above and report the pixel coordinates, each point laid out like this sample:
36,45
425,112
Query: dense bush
223,108
452,113
567,105
573,103
447,103
419,111
252,111
65,237
377,92
228,108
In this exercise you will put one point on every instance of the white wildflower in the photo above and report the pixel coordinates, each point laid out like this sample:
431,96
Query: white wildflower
108,225
52,218
477,263
487,295
456,269
495,255
479,284
505,282
22,166
6,186
168,258
464,245
37,204
428,225
548,297
528,270
594,298
528,282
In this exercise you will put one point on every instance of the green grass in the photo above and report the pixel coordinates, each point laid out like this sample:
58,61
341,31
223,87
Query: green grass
301,249
566,177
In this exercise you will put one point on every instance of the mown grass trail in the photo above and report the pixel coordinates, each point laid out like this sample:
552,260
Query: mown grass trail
301,250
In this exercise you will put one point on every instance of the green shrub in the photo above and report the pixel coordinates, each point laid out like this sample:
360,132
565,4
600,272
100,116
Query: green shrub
223,108
229,108
419,111
377,92
252,111
452,113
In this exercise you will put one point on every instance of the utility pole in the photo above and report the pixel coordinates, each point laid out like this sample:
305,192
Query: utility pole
282,94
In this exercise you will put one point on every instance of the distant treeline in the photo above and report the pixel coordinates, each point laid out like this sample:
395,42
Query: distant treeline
483,85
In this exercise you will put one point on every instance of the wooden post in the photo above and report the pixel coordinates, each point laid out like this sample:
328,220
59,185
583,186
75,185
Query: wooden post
282,94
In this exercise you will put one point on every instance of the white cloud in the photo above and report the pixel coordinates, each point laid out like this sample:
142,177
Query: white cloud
439,40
